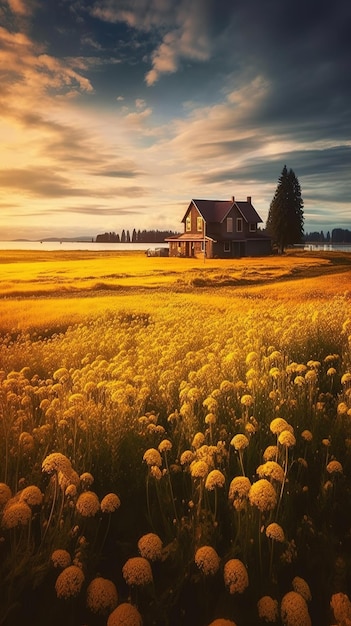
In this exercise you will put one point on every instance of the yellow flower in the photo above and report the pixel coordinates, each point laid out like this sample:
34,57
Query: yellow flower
86,479
55,462
186,457
221,621
61,558
307,435
239,442
341,606
5,494
239,491
16,514
294,610
274,531
110,503
207,560
198,440
150,546
137,571
270,453
102,595
125,615
199,469
263,495
268,609
214,479
165,445
235,576
88,504
271,469
31,495
334,467
247,400
69,582
152,457
286,438
277,425
300,586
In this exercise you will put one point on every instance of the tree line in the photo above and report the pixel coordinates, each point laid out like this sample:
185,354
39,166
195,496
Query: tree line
338,235
137,236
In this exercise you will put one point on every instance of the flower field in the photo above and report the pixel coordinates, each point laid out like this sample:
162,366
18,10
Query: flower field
175,442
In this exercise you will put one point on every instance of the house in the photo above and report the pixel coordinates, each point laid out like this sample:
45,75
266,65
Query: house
220,228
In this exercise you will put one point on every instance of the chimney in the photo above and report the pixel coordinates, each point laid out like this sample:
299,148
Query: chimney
249,199
233,198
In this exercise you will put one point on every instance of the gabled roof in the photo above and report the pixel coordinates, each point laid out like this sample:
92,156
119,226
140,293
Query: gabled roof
217,210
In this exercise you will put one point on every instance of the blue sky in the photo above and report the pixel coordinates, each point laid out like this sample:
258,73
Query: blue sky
115,113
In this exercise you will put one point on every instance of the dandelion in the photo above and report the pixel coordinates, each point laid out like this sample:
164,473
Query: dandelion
56,462
137,571
334,467
239,442
277,425
342,408
268,609
235,576
275,532
152,457
86,480
88,504
214,479
263,495
199,469
5,494
286,438
150,547
207,560
102,595
110,503
69,582
165,446
238,491
301,586
346,378
246,400
270,453
294,610
272,470
125,615
31,495
341,607
198,440
186,457
155,472
210,418
61,558
16,514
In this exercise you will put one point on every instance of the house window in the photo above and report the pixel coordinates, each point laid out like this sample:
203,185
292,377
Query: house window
199,224
227,246
188,223
239,224
229,224
252,227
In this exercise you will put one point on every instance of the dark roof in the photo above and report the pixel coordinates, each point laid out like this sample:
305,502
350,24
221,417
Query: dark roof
217,210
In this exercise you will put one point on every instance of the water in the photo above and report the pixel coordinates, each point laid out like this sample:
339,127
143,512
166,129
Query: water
77,245
327,247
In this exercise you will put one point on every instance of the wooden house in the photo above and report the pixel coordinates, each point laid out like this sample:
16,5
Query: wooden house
222,229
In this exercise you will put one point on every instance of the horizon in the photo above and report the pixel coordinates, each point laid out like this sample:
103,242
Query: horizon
121,112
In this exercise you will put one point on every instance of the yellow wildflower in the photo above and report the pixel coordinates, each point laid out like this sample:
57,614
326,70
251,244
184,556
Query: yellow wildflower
150,547
125,615
207,560
69,582
235,576
137,571
102,595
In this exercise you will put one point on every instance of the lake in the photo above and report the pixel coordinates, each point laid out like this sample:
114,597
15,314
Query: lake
92,246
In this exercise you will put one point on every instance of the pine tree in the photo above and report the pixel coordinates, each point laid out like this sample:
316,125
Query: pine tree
285,217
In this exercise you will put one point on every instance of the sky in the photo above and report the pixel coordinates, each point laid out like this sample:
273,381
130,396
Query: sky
114,114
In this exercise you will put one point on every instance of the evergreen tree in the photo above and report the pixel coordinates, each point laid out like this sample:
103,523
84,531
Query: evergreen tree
285,217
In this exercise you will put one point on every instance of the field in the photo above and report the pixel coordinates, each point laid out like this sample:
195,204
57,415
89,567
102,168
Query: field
176,440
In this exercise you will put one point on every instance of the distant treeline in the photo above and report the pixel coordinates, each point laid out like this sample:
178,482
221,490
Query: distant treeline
137,236
338,235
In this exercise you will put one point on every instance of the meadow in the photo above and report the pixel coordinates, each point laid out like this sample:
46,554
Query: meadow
175,443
